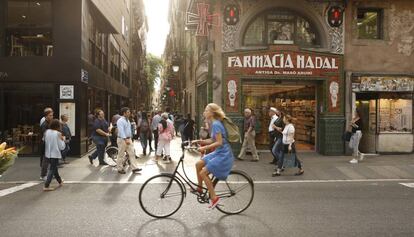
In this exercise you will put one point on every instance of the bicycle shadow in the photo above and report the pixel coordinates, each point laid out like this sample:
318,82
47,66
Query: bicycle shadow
225,226
235,225
164,227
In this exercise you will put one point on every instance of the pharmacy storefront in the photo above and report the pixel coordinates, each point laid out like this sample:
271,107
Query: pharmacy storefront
307,85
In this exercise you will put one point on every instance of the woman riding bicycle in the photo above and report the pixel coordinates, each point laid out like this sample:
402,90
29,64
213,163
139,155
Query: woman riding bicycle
220,161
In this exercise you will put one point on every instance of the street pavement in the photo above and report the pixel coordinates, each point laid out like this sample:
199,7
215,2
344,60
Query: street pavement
332,198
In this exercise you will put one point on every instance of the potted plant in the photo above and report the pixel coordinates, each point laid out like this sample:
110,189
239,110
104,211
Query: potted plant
7,157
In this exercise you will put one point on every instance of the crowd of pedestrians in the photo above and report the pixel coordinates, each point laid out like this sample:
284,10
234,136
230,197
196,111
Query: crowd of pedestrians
153,130
156,130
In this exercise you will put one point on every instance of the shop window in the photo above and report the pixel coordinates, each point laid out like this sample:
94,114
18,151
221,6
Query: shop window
281,27
395,115
369,22
29,28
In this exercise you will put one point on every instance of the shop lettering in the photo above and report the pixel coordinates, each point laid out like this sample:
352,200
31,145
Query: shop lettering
281,61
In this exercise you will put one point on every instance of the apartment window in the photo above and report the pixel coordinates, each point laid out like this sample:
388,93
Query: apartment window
115,59
369,22
124,70
29,28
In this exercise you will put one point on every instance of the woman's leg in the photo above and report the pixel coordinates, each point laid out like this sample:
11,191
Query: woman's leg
204,175
199,166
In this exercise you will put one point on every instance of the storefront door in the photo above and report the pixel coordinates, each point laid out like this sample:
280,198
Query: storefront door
367,109
296,99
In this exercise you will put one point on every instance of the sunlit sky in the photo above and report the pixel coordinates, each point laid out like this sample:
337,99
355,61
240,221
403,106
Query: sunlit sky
158,26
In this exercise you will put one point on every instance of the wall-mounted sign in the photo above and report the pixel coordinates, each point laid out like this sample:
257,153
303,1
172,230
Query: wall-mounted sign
84,76
199,17
283,63
67,92
382,83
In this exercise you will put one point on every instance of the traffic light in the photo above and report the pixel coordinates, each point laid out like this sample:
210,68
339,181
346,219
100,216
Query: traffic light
335,16
231,14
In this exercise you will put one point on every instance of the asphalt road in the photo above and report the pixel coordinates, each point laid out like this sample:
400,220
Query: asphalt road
286,209
332,198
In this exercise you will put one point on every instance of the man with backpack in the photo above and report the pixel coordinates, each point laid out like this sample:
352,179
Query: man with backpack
249,136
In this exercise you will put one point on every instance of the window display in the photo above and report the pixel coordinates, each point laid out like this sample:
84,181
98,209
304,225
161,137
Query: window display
395,115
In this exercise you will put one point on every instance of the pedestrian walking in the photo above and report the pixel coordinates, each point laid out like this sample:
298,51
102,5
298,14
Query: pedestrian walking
154,127
288,141
100,134
68,136
54,144
249,136
44,163
133,129
44,118
166,134
125,143
114,130
188,130
356,128
278,127
145,132
272,134
150,133
220,161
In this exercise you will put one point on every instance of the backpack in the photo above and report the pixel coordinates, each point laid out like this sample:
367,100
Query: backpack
144,126
233,133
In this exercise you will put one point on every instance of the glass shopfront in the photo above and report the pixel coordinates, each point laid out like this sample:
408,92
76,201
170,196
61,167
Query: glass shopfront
298,101
386,105
22,108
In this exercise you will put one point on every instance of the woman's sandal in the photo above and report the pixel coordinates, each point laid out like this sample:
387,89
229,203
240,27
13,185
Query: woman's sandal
300,172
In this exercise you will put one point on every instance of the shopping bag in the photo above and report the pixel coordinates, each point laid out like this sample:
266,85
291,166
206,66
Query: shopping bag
289,160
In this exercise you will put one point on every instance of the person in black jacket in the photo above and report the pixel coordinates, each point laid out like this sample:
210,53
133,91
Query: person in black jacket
68,136
278,126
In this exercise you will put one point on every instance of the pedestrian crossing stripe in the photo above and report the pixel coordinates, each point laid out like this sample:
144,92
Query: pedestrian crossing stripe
410,185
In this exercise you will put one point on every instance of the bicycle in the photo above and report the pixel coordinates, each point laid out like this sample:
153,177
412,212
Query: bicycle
162,195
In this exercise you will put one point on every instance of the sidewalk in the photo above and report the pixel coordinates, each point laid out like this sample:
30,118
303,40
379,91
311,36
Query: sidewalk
317,167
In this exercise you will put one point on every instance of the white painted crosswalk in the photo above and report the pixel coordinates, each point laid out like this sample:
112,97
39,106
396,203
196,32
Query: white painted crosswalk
410,185
14,189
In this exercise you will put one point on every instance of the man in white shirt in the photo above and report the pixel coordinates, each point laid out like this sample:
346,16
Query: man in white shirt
273,117
125,143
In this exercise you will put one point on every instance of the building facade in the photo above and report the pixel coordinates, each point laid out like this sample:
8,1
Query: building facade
318,61
73,56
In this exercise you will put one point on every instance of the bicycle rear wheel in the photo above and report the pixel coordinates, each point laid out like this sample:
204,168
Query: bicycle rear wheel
161,196
236,193
112,153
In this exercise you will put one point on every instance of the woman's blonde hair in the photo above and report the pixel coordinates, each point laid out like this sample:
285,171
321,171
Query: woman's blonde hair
289,118
216,110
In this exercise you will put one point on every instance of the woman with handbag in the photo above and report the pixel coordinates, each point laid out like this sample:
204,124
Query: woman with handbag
356,129
288,141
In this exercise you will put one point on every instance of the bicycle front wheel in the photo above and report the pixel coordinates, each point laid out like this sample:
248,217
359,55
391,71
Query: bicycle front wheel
161,196
236,193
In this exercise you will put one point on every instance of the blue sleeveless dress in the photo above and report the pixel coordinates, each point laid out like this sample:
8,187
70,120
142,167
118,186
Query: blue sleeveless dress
220,161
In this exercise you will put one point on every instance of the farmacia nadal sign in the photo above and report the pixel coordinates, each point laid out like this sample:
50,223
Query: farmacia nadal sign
282,63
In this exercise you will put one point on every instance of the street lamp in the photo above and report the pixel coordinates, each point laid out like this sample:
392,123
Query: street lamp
175,68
